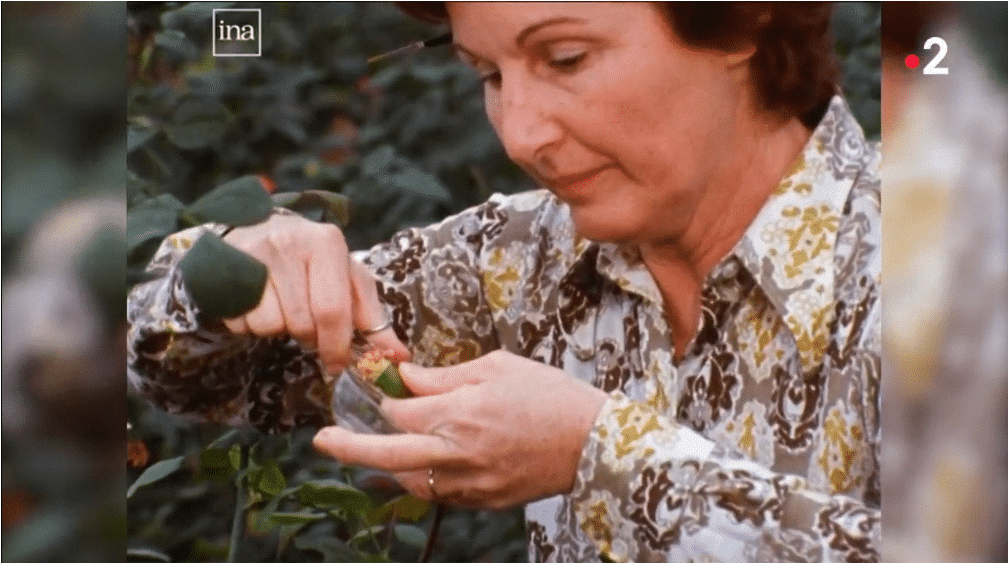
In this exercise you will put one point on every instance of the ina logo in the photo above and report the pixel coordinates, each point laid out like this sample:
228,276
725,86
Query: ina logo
236,32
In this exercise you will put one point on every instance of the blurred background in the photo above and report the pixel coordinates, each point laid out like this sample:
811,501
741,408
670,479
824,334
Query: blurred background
945,326
107,106
63,201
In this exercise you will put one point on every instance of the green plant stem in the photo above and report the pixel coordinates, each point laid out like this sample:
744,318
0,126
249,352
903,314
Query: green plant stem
390,532
432,536
371,532
238,523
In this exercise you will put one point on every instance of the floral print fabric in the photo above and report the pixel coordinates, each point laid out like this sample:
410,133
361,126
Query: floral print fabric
761,444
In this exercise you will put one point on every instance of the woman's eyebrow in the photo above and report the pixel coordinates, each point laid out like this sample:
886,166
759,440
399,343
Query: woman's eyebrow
523,35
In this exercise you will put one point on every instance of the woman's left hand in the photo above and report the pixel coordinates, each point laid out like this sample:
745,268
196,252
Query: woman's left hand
498,431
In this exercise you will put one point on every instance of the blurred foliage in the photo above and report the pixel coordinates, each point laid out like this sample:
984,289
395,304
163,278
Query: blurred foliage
62,110
407,142
987,22
63,142
859,49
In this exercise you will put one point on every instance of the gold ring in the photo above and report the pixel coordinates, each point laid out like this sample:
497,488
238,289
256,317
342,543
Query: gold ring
430,483
375,330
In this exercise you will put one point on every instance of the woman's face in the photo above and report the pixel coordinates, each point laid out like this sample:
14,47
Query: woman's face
605,107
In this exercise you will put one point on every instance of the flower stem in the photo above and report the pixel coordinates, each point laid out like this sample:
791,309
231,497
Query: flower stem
238,523
429,548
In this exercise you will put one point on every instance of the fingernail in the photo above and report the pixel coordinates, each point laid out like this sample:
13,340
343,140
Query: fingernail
326,433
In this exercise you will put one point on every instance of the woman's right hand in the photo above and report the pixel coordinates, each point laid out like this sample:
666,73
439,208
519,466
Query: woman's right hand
316,292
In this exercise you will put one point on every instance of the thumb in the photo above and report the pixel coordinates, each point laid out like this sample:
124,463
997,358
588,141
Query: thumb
369,313
435,381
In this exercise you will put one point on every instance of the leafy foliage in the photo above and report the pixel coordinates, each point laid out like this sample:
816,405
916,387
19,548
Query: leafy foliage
306,126
859,48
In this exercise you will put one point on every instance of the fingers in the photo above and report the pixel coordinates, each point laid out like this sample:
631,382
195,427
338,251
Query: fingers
397,453
415,483
329,295
460,488
267,318
316,293
369,313
446,486
418,414
236,325
293,297
435,381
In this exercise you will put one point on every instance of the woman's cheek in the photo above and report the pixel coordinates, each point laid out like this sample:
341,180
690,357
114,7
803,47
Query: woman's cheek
491,105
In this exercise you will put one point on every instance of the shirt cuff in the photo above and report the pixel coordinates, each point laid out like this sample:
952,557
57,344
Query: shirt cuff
628,438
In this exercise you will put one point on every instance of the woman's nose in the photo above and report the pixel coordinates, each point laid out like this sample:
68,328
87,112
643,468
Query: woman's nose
527,121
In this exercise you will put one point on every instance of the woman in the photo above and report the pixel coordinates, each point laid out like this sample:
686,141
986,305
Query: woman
670,353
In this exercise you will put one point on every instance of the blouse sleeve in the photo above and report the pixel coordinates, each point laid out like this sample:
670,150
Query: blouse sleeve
651,489
187,364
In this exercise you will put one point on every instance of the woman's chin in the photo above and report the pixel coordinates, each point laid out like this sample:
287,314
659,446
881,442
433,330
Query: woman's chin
598,228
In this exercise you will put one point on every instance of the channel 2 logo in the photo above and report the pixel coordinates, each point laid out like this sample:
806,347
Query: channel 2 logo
913,61
237,32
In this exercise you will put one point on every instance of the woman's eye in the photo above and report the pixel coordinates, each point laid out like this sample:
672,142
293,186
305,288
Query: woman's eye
491,78
567,63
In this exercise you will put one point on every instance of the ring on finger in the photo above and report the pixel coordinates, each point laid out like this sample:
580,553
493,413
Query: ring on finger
430,484
375,330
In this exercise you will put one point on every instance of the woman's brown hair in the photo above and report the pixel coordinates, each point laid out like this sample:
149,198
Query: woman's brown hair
794,69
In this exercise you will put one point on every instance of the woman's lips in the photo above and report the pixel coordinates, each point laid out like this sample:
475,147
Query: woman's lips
572,183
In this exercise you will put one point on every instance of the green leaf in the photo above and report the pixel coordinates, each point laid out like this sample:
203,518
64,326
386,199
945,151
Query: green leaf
391,383
411,535
193,13
295,518
223,281
215,458
285,199
226,438
407,508
317,205
177,44
138,190
239,202
376,162
102,267
270,480
234,456
417,182
198,123
155,473
410,509
148,223
329,493
367,532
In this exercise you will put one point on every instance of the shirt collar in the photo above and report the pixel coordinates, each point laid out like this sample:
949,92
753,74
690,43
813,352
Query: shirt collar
789,246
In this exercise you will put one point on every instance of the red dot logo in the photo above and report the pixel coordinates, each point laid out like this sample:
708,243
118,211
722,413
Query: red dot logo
912,61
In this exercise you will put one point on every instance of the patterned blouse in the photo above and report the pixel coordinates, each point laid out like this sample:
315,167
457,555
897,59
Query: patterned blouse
761,444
